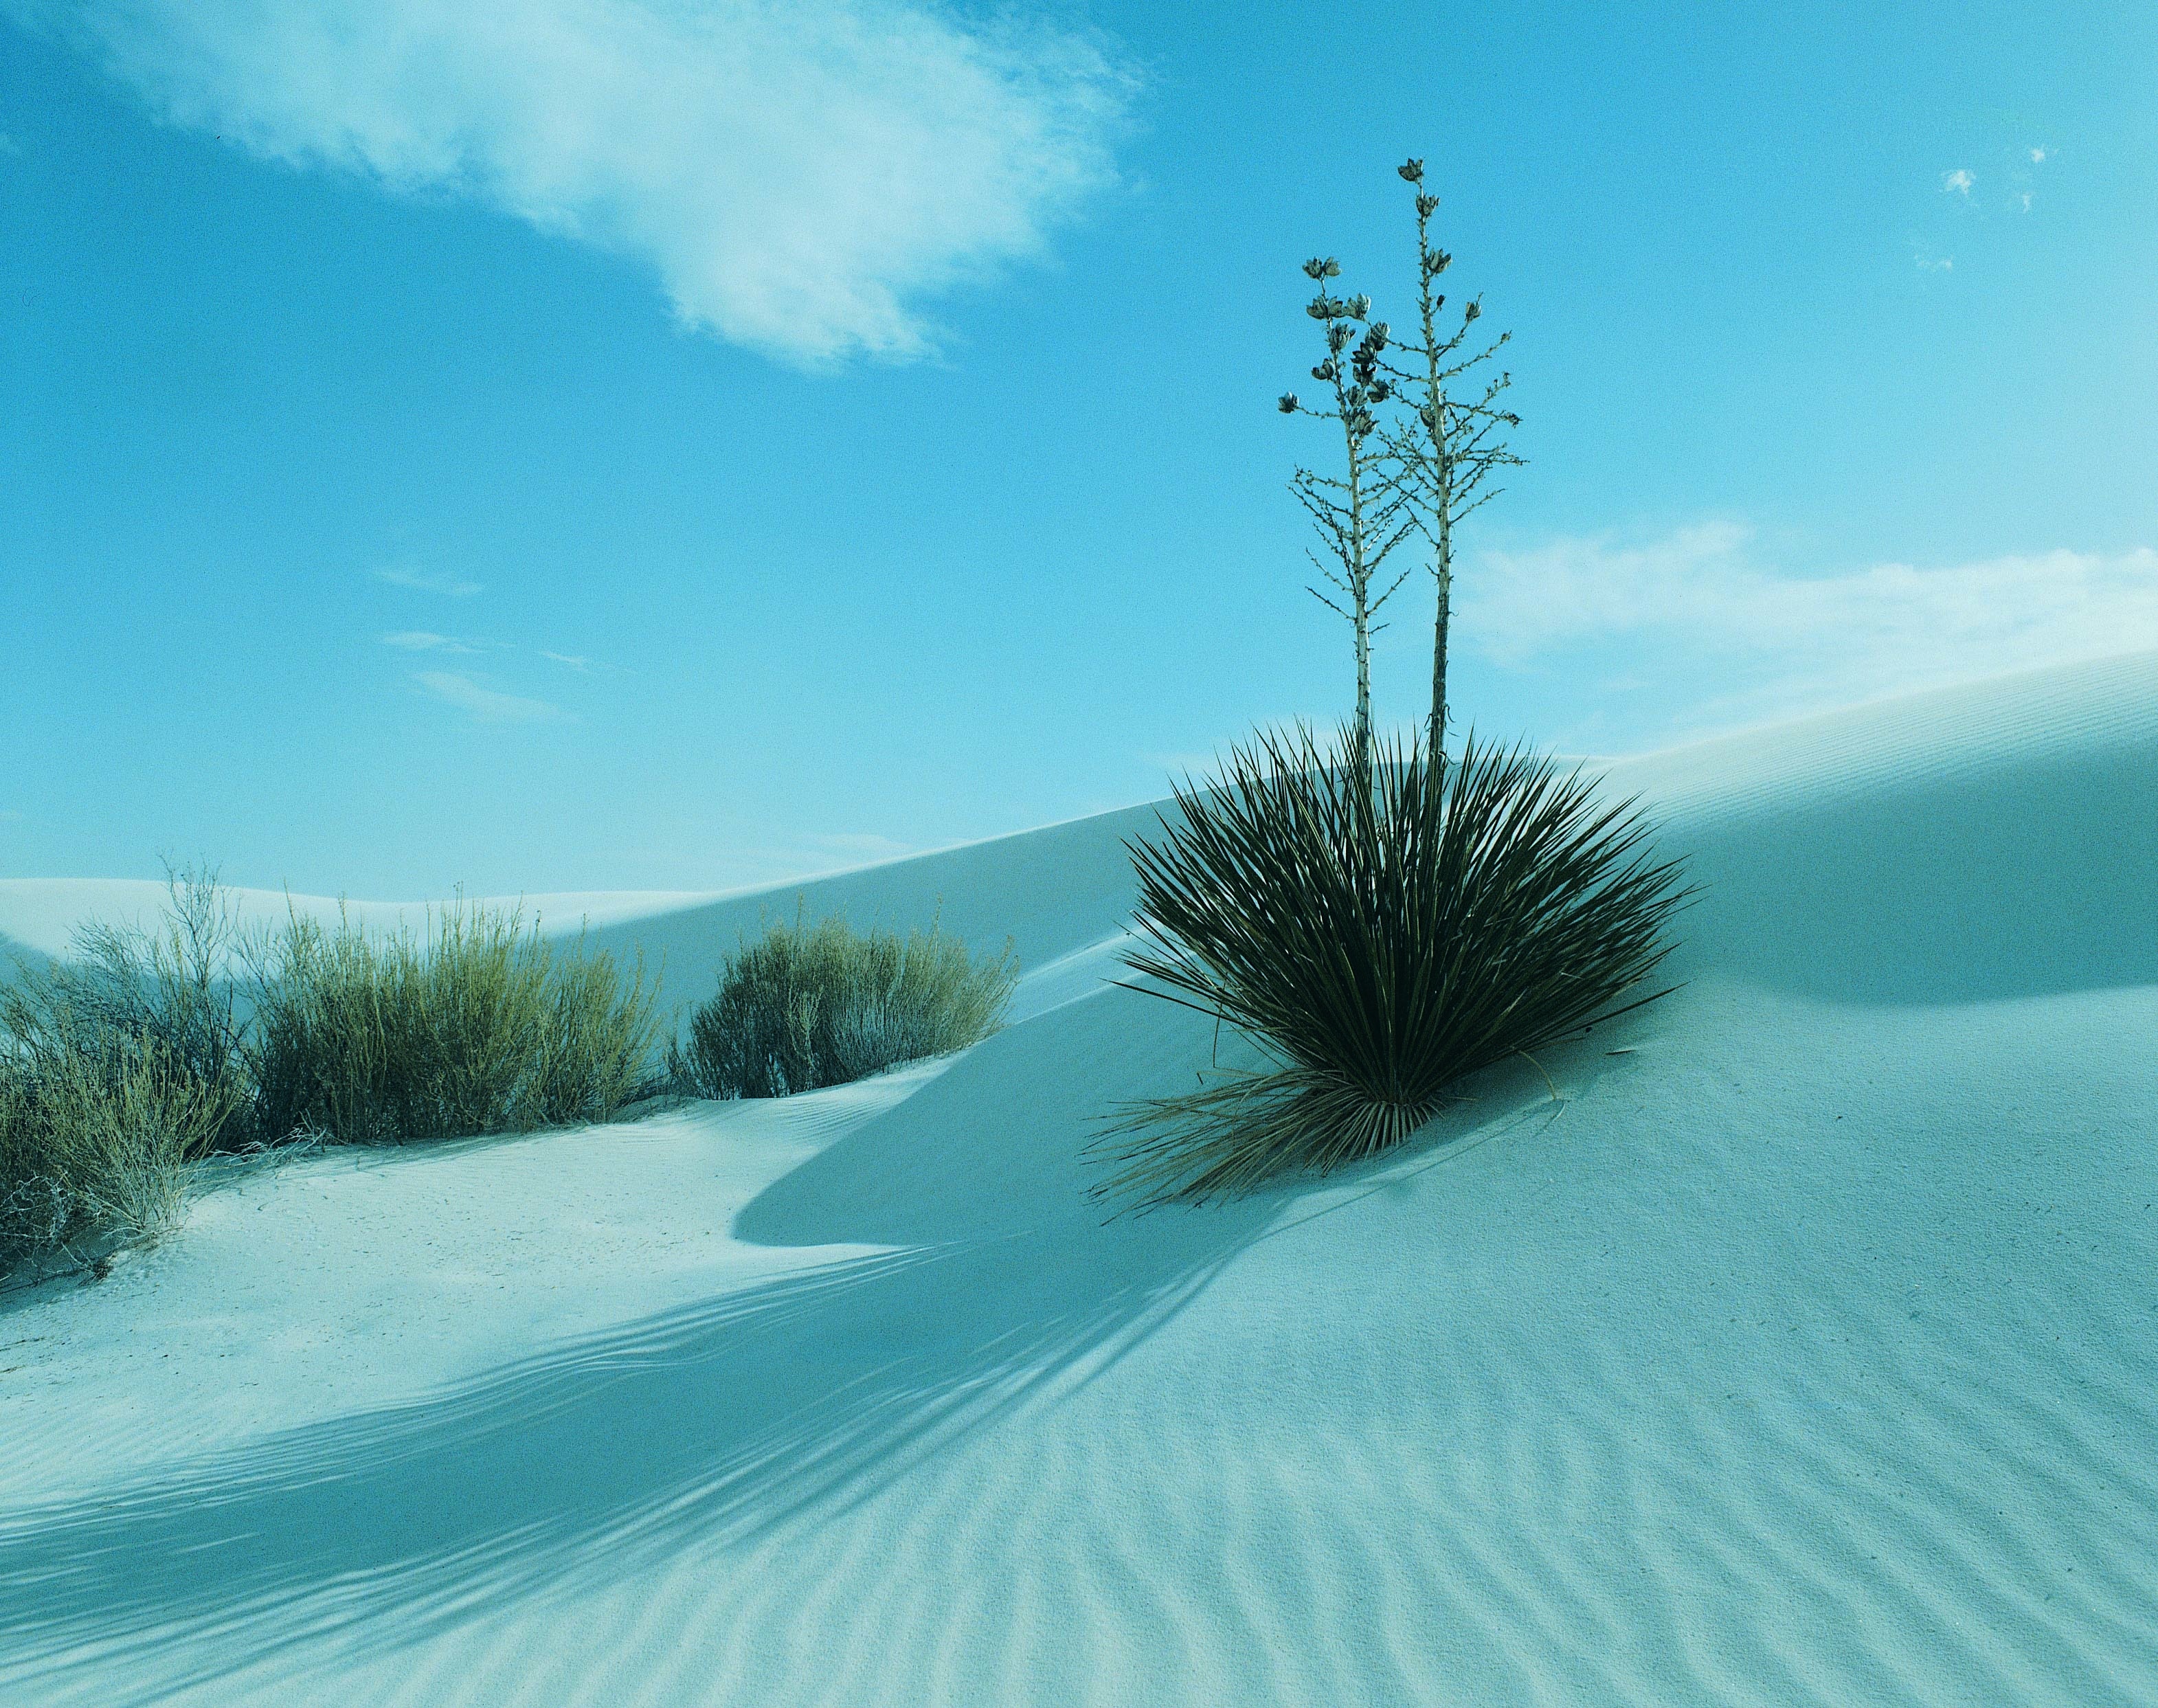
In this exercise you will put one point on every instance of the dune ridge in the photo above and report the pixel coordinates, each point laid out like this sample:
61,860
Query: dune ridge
1800,1351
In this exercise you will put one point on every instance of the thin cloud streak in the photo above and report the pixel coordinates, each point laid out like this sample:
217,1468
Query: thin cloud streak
487,705
797,173
420,582
414,640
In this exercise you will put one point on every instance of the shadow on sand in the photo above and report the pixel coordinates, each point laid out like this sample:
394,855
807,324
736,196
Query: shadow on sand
719,1420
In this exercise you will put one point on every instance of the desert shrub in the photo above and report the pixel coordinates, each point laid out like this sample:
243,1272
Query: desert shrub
117,1067
99,1129
1378,934
478,1026
807,1006
128,993
147,1048
35,1208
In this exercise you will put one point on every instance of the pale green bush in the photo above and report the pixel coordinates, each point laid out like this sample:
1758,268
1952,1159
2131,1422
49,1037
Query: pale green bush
479,1026
807,1006
147,1049
99,1131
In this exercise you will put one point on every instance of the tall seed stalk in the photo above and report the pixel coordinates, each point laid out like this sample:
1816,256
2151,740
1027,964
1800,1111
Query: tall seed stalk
1358,519
1443,462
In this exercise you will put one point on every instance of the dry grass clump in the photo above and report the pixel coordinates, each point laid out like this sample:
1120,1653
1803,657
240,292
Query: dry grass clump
1379,933
117,1070
100,1133
128,993
479,1026
147,1049
817,1005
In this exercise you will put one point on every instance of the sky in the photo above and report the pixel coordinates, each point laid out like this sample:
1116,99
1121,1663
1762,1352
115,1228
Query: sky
665,444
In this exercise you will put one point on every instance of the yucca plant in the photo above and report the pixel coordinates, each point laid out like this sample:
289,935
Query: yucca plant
1378,935
1443,461
1357,514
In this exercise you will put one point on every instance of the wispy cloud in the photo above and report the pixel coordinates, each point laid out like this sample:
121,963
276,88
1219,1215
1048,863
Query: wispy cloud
569,661
421,580
799,173
1958,182
485,705
1929,262
2037,156
1707,595
418,640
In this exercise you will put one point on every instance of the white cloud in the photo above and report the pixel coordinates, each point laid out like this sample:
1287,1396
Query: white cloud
1794,640
797,172
2037,155
401,575
1958,182
415,640
569,660
1929,262
485,705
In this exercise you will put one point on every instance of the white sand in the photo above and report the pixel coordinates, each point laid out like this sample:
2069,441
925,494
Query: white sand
1805,1353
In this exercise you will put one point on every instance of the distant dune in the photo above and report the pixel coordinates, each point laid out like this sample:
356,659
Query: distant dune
1801,1351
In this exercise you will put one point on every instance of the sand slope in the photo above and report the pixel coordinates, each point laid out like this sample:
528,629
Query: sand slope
1804,1353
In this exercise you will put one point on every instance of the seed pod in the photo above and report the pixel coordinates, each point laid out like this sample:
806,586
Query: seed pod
1426,205
1412,170
1316,268
1359,306
1288,403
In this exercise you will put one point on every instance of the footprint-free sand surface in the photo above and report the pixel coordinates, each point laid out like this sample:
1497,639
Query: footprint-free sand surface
1800,1351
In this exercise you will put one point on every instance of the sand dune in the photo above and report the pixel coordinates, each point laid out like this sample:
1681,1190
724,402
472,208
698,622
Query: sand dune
1802,1352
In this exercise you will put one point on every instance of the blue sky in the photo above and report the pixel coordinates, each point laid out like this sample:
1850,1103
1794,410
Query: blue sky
611,443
